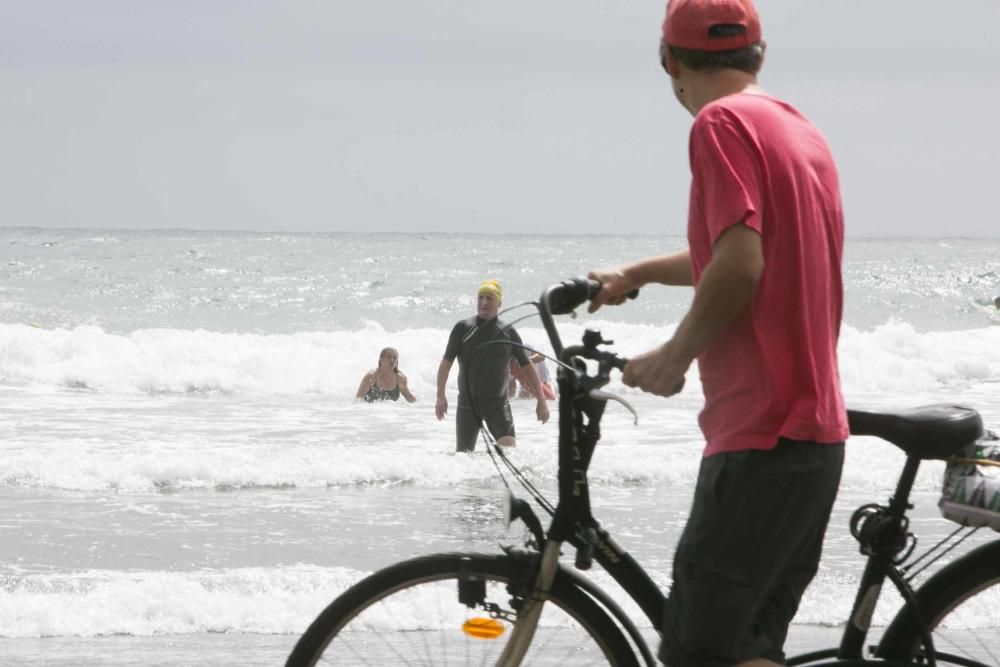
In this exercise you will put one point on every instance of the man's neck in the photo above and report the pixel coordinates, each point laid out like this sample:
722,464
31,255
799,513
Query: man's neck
708,87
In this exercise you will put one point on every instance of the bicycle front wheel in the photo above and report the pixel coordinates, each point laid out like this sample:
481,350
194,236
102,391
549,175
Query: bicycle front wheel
960,604
411,614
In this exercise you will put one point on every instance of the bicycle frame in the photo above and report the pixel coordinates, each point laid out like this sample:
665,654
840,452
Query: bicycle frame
638,585
573,522
880,566
534,574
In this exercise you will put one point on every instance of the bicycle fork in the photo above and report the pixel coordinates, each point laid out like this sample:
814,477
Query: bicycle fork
531,611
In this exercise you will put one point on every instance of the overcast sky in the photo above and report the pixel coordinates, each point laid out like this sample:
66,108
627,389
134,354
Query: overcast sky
467,115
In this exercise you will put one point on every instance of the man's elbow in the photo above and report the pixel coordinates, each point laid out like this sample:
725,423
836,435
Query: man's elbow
742,273
753,271
740,251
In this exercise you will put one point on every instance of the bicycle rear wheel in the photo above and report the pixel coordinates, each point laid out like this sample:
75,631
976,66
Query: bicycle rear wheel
960,604
409,613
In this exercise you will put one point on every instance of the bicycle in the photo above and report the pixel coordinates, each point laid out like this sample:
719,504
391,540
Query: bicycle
524,606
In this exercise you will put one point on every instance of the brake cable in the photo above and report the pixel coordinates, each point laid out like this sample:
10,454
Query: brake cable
494,450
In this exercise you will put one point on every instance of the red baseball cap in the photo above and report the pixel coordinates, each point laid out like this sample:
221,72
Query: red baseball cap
711,25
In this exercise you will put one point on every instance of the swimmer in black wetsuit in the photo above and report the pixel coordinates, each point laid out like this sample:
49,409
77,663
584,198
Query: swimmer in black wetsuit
483,374
386,382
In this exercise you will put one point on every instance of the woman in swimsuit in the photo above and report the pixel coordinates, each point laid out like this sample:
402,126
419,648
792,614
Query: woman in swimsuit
386,382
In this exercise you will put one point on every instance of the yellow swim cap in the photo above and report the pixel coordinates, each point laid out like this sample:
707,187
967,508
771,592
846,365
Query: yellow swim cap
491,287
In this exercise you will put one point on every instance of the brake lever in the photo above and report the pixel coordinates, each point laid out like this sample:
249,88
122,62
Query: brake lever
602,395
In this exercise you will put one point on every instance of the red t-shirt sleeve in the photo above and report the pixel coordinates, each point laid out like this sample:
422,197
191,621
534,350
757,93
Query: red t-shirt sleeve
726,170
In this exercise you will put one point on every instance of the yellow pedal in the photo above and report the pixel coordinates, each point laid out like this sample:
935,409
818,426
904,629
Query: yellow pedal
483,628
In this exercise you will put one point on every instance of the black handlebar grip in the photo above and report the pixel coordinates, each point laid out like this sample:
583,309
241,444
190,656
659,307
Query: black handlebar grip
594,286
563,298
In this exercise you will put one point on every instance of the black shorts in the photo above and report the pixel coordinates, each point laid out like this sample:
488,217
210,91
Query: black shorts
497,416
751,545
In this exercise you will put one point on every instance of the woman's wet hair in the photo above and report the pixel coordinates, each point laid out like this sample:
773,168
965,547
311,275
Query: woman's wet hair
386,350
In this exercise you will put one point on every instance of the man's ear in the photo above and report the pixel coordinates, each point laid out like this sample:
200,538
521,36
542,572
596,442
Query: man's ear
671,65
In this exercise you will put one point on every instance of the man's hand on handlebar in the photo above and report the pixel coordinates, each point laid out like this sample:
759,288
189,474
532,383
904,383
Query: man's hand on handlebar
615,287
659,371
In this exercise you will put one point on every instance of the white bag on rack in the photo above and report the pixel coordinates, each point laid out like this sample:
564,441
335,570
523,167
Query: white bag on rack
971,493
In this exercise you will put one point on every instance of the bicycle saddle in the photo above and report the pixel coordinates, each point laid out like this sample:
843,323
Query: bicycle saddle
928,432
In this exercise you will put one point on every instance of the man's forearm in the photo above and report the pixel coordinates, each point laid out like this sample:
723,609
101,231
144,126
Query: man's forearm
726,287
673,269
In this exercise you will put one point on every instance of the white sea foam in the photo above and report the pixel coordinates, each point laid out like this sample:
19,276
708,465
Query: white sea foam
899,360
170,409
892,358
225,443
95,603
386,455
284,601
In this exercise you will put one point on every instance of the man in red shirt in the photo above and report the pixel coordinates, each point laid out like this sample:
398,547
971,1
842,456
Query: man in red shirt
765,239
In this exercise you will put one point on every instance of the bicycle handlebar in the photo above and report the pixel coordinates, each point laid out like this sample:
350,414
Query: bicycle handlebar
581,407
563,298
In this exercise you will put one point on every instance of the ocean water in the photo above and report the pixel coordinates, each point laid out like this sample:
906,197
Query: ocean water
185,478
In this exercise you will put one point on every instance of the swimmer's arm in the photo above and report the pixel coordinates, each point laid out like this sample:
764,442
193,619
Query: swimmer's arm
529,376
444,368
366,383
441,405
541,407
404,389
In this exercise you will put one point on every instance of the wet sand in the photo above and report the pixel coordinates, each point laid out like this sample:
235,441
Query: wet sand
232,649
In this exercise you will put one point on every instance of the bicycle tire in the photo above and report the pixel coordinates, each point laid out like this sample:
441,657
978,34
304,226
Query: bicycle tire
960,604
364,627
